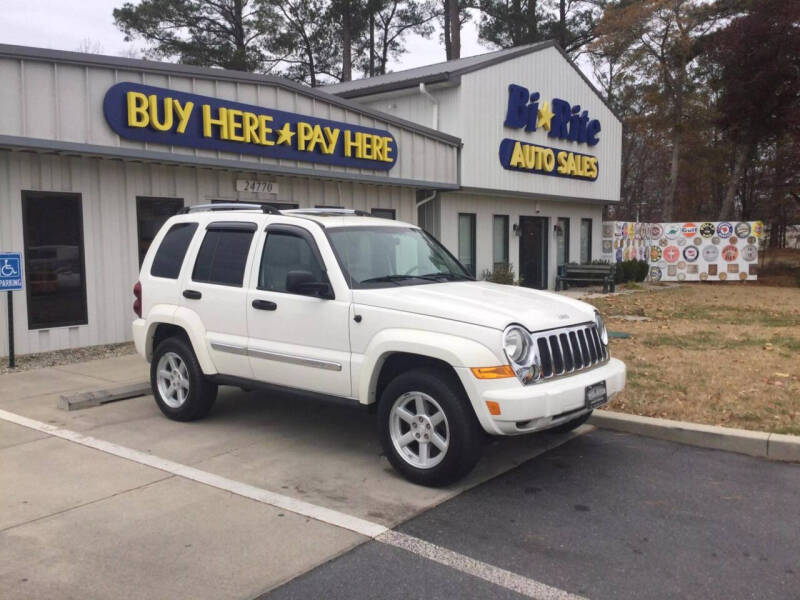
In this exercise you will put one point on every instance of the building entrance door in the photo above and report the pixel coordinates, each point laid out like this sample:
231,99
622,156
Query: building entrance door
533,243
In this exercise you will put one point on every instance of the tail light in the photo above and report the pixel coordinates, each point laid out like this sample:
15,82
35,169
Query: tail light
137,304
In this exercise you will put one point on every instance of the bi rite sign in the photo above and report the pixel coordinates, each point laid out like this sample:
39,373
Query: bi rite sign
10,271
562,121
157,115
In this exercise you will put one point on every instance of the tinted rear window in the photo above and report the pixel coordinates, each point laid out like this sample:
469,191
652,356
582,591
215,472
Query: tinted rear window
222,257
169,257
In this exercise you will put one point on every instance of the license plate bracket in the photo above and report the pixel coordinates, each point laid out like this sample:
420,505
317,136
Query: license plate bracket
596,395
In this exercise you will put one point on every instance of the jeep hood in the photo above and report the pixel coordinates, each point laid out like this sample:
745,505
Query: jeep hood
481,303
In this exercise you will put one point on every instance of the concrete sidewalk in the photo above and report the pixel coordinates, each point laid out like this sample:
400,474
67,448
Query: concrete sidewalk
78,522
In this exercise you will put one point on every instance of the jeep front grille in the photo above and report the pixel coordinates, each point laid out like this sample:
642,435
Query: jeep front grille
569,350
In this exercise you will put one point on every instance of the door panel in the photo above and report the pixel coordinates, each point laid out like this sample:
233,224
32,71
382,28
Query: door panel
533,243
296,340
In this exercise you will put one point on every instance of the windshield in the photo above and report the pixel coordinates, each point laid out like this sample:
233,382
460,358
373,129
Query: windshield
391,256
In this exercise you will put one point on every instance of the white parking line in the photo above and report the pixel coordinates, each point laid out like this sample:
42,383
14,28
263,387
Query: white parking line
501,577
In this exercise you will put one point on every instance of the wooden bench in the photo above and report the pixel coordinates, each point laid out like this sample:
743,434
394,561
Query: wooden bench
586,274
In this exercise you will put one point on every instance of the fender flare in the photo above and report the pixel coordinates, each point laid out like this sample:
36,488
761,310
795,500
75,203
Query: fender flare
454,350
187,320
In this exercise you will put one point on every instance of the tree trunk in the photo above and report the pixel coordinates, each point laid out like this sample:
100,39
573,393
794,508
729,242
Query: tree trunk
448,47
562,24
669,200
347,42
240,54
372,44
455,30
726,211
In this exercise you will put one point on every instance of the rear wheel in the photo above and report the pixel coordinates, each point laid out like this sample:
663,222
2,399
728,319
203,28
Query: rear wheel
179,387
573,424
428,428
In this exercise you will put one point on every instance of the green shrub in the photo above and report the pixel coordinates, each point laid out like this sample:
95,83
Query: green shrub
502,273
631,270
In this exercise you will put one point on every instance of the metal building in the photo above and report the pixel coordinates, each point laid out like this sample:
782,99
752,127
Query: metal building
89,170
522,213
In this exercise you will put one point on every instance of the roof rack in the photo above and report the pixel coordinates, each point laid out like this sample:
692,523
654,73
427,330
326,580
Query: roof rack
265,208
321,212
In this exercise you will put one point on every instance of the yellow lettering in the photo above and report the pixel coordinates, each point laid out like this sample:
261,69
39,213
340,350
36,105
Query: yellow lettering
571,164
356,142
387,155
137,110
263,130
234,125
221,122
304,133
316,138
166,124
562,163
183,112
517,156
250,128
332,136
549,159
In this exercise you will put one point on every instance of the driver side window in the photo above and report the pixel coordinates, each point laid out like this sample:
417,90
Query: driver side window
284,253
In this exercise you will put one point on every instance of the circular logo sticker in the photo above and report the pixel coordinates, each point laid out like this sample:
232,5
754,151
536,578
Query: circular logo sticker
682,264
734,240
715,240
672,231
710,253
682,241
751,240
749,253
662,264
703,276
655,274
681,276
724,230
690,253
656,231
663,242
655,253
742,275
707,229
723,276
619,254
730,253
689,230
671,254
758,229
697,241
742,229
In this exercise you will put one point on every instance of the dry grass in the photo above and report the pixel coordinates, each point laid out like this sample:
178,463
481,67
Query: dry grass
721,354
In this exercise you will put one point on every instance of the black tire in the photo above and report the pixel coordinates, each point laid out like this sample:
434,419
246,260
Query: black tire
201,393
465,433
570,425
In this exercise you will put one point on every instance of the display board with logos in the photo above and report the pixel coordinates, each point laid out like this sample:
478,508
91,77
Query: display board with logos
691,251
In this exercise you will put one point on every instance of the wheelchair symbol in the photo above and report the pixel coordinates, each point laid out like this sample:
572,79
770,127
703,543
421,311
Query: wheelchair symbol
7,270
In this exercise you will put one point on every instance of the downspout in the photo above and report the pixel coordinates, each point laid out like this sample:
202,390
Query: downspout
427,199
424,91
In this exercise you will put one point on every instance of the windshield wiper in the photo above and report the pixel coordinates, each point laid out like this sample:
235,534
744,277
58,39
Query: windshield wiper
388,279
444,275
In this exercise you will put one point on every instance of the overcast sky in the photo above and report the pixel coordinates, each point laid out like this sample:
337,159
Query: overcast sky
82,24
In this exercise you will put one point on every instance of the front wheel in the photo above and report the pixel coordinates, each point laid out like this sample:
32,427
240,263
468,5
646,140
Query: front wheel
427,427
180,389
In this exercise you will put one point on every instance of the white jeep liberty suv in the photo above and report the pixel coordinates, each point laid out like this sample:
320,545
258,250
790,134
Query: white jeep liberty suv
371,310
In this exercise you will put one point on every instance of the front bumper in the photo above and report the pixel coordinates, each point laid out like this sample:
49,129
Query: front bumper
524,409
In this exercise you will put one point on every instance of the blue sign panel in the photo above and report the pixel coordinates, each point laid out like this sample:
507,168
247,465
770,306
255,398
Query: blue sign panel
162,116
10,271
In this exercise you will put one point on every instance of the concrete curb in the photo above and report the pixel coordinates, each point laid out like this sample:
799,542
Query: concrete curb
98,397
773,446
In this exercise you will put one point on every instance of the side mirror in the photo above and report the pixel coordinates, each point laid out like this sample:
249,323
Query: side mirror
303,282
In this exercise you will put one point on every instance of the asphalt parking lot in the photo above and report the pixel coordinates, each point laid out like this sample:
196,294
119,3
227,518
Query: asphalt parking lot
278,497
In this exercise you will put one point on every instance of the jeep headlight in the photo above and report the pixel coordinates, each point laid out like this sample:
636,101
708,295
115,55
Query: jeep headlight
521,353
601,328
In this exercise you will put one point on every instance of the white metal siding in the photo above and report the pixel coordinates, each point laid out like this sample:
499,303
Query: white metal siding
54,101
486,206
108,190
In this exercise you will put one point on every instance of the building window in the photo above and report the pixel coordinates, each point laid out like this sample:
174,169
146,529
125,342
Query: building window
500,241
586,241
562,241
223,254
466,241
151,214
172,250
55,277
384,213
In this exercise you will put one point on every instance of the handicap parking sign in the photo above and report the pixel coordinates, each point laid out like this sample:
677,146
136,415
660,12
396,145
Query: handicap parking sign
10,271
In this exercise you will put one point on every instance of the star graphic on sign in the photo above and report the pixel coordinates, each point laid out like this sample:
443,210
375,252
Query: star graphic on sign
545,116
285,135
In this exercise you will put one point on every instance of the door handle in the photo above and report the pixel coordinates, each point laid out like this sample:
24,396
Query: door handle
264,305
192,294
